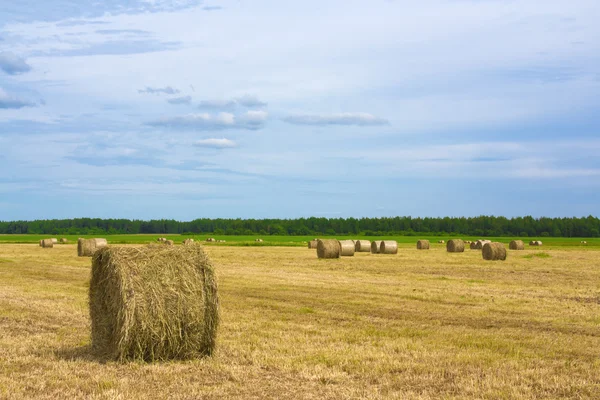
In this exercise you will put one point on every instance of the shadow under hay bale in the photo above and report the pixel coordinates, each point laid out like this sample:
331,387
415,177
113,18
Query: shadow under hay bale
376,246
313,244
494,251
153,303
346,248
388,247
328,248
362,246
87,247
423,245
516,245
455,246
47,243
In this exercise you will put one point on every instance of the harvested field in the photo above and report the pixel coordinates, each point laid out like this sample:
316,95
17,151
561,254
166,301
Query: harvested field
441,326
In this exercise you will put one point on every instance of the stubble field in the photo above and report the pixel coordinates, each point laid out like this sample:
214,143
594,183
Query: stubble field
420,324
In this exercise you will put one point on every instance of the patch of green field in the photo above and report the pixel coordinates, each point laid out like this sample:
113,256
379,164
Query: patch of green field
538,255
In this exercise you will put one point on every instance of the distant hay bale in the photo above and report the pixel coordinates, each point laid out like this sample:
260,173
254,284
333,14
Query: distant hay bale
388,247
313,244
328,248
441,241
41,242
153,303
535,243
532,243
210,240
54,240
479,243
583,242
455,246
376,246
539,243
362,246
494,251
473,246
258,240
423,244
188,242
47,243
516,245
169,242
346,248
87,247
64,240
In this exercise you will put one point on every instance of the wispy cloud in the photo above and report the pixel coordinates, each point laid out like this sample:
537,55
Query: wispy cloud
247,101
164,90
214,143
9,101
358,119
212,8
122,31
180,100
80,22
251,120
13,64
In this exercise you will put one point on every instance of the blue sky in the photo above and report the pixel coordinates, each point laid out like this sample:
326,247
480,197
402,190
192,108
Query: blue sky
253,109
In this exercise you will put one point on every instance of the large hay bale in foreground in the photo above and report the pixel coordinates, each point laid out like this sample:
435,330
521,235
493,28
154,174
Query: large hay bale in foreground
362,246
47,243
153,303
313,244
328,248
388,247
455,246
494,251
376,246
87,247
516,245
346,248
423,245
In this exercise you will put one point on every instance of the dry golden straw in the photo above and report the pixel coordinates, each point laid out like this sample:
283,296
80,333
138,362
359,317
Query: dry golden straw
87,247
346,248
455,246
313,244
169,242
516,245
423,245
153,303
494,251
362,246
376,246
64,240
188,242
328,248
47,243
388,247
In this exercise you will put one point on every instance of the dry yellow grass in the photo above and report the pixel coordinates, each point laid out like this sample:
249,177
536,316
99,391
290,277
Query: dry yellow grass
425,325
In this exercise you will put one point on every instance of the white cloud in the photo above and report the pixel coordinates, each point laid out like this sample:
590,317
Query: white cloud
251,120
180,100
216,143
10,101
13,64
359,119
164,90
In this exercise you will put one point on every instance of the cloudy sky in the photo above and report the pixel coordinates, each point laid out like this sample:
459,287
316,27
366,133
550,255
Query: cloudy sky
234,108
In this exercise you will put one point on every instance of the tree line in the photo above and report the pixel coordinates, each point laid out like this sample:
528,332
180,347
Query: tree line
471,226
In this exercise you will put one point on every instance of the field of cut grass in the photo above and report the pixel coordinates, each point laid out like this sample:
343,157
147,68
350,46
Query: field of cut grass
420,324
299,241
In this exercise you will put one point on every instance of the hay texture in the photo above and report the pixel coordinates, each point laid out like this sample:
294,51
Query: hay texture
494,251
376,246
346,248
455,246
516,245
313,244
47,243
153,303
169,243
479,244
423,245
54,240
87,247
188,242
41,242
473,246
328,248
362,246
64,240
388,247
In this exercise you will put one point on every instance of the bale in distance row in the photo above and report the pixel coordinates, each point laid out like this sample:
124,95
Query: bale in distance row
535,243
346,248
493,251
153,303
376,246
455,246
312,244
328,248
362,246
423,245
516,245
87,247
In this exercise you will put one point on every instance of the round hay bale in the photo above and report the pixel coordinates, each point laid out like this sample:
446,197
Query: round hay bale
87,247
169,242
494,251
532,243
423,245
153,303
376,246
54,240
388,247
441,242
47,243
455,246
64,240
328,248
313,244
41,241
473,246
539,243
516,245
346,248
188,242
362,246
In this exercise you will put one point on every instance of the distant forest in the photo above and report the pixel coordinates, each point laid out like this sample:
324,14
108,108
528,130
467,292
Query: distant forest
473,226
